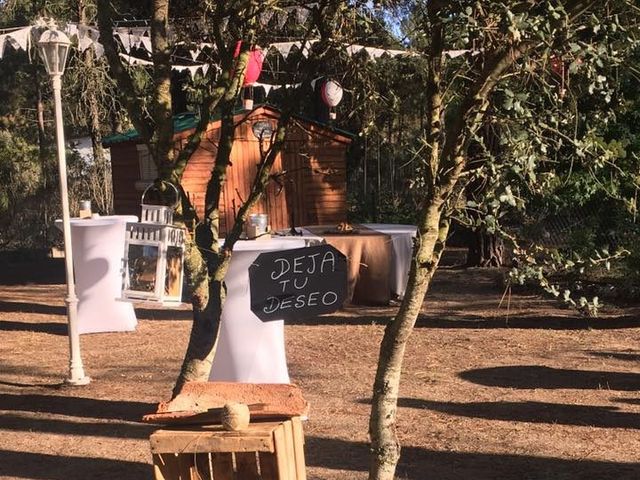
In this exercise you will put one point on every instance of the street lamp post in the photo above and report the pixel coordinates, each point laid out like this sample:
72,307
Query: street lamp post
54,46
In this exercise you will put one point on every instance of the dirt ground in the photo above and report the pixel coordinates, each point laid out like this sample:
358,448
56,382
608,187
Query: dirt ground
531,393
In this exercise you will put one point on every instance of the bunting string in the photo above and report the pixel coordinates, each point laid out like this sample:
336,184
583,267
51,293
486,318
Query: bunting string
87,36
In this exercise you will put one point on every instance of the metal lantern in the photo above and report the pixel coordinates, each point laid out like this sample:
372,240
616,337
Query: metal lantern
54,46
154,254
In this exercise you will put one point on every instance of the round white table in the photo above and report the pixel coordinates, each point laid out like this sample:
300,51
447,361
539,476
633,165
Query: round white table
249,350
98,249
402,239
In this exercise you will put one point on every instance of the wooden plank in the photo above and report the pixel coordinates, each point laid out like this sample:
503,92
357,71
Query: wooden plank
223,466
328,186
327,175
280,444
291,453
298,446
164,441
328,197
247,466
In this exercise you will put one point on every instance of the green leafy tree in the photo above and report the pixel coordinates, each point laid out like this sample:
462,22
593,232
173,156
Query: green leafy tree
502,40
28,114
150,112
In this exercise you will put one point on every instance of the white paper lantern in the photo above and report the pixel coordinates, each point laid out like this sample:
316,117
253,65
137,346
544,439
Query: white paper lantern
331,93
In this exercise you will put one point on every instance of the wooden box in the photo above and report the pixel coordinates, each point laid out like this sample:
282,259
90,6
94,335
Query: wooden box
264,451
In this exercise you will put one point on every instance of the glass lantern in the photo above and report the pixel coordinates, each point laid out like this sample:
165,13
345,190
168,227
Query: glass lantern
54,46
154,254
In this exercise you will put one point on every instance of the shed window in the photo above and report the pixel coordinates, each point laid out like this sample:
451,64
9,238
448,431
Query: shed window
148,169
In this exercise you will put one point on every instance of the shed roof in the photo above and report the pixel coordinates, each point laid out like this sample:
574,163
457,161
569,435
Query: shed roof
188,121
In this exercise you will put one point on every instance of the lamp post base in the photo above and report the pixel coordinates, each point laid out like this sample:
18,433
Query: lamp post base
78,381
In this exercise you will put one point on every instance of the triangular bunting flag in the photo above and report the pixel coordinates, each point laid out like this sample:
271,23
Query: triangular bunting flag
71,30
265,17
145,42
283,47
375,53
301,15
307,47
98,49
126,40
194,53
19,39
267,87
194,69
282,18
84,38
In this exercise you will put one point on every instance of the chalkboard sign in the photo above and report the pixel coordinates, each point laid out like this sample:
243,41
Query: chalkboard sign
298,283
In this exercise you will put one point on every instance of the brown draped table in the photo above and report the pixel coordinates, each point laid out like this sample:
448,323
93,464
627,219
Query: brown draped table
369,261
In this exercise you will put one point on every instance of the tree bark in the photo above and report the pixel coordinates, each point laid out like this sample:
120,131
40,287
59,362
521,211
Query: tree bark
207,312
102,190
43,157
162,141
485,249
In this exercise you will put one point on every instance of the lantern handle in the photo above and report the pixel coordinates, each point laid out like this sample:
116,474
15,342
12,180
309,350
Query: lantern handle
175,189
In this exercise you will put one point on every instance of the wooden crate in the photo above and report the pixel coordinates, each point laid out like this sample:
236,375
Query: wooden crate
264,451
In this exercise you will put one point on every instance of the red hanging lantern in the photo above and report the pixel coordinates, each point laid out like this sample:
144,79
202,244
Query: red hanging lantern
331,93
254,66
557,66
251,73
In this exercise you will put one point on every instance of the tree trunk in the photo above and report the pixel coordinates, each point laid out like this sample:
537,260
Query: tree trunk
101,184
445,166
198,358
204,330
382,424
43,156
485,249
210,269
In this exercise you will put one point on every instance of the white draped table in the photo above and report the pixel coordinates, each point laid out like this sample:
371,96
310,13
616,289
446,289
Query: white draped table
401,252
402,239
98,249
250,350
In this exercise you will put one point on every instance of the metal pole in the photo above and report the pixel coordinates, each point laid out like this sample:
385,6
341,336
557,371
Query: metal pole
76,370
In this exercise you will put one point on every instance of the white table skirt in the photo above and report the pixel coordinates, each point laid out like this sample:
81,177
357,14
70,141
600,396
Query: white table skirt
402,238
98,250
250,350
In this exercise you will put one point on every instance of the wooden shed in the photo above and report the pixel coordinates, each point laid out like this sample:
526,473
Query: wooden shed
312,187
